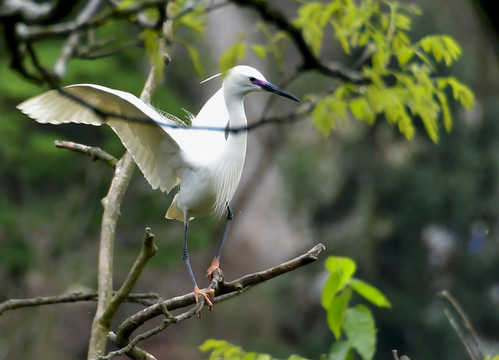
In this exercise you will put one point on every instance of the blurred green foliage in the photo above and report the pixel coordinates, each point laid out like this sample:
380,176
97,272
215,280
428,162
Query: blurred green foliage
400,92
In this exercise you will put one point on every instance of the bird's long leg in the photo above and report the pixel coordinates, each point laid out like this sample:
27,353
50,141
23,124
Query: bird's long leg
216,260
185,256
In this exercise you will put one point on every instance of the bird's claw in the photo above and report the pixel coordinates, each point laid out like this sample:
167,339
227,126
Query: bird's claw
204,293
214,267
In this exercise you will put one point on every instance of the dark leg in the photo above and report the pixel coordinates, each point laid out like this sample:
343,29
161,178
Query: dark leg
185,255
216,260
197,291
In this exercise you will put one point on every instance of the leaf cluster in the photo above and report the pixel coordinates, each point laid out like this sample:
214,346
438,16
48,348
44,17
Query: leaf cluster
276,43
401,82
356,322
220,349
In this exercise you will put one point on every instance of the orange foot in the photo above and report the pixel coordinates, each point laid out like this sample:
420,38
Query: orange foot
204,293
214,266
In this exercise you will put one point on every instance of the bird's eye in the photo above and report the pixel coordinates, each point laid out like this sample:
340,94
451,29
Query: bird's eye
252,79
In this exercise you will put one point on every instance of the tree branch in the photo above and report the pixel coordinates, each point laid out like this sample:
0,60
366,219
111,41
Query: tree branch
222,290
310,60
14,304
95,153
111,203
72,42
123,173
147,252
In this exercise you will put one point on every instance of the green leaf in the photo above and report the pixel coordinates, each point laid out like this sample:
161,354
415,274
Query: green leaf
327,111
322,118
309,21
259,50
342,266
151,44
336,312
442,47
341,270
370,293
452,47
404,55
446,115
196,63
232,56
360,330
362,110
341,350
460,91
193,20
403,22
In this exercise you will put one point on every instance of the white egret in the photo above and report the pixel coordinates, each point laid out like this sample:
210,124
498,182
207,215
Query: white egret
207,164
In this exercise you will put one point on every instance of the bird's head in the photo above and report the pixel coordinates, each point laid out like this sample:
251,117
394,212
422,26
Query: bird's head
244,79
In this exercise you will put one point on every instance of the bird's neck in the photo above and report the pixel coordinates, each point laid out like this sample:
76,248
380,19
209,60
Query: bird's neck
231,160
234,102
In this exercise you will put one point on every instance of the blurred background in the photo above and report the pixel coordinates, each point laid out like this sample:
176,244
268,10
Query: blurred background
417,217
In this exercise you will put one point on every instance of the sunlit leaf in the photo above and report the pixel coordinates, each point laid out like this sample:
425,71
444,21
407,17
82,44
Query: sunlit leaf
327,111
336,312
362,110
446,115
460,91
403,22
442,47
404,55
322,118
309,21
341,265
370,293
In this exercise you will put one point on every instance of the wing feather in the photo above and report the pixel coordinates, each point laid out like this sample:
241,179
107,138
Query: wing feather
155,151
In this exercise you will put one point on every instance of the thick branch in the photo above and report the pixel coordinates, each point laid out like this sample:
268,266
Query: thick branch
123,173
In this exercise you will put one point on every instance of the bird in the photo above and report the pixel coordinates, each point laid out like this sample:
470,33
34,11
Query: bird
204,161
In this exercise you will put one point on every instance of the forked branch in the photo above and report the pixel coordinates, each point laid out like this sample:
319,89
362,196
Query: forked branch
223,291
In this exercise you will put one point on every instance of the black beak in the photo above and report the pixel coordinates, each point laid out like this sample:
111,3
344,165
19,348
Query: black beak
265,85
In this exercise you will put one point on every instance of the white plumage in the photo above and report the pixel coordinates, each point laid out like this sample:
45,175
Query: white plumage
207,164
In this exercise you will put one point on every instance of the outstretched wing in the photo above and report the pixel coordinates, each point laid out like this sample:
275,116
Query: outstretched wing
156,153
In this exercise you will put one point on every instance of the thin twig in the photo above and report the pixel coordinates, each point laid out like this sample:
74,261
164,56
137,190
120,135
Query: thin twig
459,332
74,39
13,304
95,153
396,356
132,345
148,251
467,323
